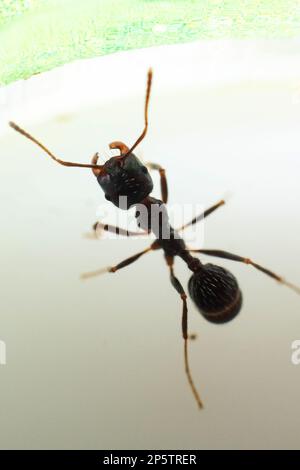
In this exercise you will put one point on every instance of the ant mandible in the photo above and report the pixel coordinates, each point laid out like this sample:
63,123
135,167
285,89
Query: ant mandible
126,182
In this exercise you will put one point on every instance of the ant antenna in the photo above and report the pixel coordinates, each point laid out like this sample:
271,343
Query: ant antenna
141,137
61,162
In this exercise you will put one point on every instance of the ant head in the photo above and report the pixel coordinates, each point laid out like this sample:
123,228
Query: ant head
124,179
216,293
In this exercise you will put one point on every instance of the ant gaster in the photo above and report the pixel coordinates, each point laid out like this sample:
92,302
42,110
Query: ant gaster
214,290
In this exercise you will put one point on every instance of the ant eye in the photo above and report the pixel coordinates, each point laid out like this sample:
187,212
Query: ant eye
144,169
216,293
107,197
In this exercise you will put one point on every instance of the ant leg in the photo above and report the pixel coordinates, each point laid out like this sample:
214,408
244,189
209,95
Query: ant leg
231,256
126,262
163,180
98,226
177,285
202,216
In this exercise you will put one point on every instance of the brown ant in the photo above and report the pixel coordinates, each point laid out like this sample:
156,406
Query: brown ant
126,182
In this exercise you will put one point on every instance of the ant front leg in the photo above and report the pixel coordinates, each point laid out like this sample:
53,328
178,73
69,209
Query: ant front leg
177,285
123,264
163,180
202,216
98,227
241,259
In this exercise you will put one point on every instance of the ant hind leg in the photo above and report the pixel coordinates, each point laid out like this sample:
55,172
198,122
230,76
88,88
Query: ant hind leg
241,259
177,285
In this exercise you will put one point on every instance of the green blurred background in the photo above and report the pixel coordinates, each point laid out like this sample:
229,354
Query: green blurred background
37,35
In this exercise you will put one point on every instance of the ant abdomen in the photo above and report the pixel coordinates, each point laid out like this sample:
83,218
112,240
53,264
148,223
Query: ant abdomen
216,293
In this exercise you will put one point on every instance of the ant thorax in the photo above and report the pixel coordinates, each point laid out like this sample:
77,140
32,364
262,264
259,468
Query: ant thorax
152,216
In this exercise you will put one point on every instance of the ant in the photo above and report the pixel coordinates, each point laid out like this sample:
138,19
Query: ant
126,182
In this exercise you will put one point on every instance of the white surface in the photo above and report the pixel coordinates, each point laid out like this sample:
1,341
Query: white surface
99,364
